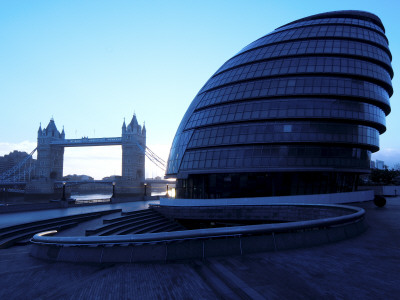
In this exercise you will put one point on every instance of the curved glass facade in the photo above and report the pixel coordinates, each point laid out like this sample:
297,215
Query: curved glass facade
298,111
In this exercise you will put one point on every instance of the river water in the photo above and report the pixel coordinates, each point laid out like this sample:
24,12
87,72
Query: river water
91,197
102,196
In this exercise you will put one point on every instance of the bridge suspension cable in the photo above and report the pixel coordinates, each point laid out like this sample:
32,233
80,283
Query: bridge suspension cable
154,158
20,171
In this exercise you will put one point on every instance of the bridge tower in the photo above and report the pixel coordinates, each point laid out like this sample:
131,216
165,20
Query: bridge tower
133,156
50,158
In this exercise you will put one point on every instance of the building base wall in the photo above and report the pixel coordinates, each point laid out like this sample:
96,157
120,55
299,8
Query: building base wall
336,198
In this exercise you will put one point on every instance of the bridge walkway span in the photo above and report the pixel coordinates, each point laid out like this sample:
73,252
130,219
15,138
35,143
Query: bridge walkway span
87,142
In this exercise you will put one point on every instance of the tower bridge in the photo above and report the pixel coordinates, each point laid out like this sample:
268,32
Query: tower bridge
51,144
47,172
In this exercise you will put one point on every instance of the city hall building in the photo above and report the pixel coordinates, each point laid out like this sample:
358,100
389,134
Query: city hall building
298,111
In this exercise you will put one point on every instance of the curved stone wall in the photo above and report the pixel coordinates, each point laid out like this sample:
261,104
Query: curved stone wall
326,224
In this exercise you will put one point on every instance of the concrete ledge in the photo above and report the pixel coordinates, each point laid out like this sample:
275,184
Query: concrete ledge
201,243
384,190
336,198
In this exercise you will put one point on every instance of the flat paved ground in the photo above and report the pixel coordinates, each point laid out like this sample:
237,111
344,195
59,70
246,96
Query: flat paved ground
365,267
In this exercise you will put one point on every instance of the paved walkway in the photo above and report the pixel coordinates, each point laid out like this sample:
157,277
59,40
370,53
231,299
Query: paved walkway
9,219
366,267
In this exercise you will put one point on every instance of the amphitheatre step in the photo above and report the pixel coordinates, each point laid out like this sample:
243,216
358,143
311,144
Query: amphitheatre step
146,228
143,221
116,226
170,227
25,236
12,234
136,212
140,214
133,226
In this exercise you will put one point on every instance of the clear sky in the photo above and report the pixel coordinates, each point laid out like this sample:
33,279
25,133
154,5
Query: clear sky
90,64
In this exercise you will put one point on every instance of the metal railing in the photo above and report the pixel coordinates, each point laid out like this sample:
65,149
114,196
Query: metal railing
208,233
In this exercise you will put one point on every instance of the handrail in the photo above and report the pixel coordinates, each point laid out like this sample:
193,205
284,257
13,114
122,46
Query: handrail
163,237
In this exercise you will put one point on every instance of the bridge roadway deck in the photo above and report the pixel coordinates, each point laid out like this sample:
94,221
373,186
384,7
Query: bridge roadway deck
365,267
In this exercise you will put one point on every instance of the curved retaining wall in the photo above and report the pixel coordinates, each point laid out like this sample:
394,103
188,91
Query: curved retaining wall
267,213
200,243
334,198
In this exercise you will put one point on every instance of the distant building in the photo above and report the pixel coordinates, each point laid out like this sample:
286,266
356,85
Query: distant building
380,164
372,164
298,111
12,159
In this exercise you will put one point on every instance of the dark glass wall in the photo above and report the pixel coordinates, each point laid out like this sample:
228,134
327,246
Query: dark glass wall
302,105
241,185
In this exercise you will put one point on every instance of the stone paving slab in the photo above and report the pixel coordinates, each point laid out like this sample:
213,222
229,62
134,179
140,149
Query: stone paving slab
80,229
364,267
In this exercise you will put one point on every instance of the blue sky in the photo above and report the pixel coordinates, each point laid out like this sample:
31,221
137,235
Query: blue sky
89,64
